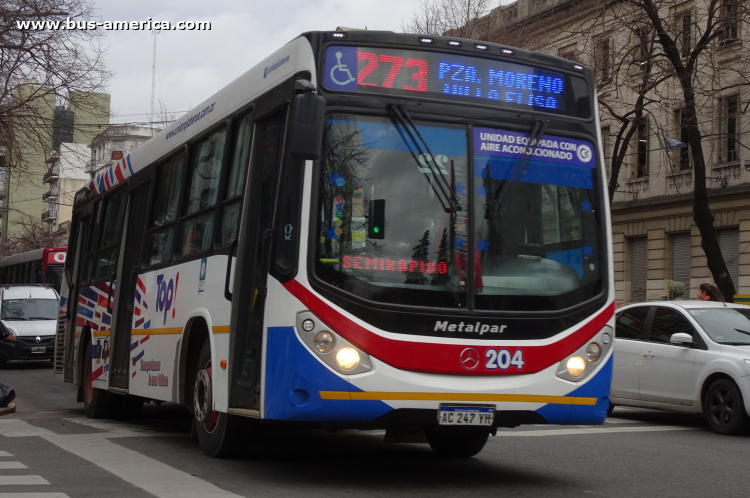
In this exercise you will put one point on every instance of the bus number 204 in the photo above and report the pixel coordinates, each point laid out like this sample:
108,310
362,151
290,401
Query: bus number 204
503,359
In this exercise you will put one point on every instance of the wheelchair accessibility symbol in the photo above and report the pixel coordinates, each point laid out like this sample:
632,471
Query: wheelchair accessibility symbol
340,73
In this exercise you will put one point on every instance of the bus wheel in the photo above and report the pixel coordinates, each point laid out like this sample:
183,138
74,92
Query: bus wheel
217,432
456,444
96,402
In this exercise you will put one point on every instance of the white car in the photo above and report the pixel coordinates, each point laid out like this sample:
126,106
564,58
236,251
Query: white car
29,317
688,356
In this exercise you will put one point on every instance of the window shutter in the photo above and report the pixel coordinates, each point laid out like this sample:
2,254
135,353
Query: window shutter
638,267
681,258
729,242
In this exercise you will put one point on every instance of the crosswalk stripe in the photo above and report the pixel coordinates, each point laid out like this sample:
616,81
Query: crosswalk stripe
21,480
5,454
33,495
139,470
12,465
599,430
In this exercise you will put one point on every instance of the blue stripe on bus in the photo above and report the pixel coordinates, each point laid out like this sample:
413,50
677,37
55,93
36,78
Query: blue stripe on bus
544,173
384,135
127,159
89,293
596,387
294,379
85,312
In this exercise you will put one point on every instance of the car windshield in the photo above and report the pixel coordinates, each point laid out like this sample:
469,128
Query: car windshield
724,325
29,309
395,205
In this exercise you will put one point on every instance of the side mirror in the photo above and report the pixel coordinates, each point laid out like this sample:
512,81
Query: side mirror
682,339
308,121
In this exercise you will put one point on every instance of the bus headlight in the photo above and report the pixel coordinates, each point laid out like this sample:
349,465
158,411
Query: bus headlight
347,358
324,342
576,366
593,352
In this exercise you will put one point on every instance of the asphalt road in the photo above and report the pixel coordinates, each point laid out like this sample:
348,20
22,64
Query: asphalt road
49,449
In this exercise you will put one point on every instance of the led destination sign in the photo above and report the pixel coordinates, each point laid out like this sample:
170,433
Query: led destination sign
434,74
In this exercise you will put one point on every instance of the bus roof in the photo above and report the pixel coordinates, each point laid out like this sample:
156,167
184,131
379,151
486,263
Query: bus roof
25,257
292,58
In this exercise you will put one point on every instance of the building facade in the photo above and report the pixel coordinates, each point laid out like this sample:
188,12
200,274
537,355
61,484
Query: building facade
114,143
66,174
655,238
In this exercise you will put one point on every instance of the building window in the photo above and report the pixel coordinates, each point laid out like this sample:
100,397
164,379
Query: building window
643,51
603,60
681,244
684,32
682,157
638,268
641,149
728,128
729,242
728,30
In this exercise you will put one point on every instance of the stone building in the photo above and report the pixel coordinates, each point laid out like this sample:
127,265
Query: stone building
655,238
114,143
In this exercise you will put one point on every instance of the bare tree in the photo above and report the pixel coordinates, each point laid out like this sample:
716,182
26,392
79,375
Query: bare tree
459,18
43,59
32,235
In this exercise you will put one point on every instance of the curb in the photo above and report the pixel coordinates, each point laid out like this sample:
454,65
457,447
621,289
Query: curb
11,408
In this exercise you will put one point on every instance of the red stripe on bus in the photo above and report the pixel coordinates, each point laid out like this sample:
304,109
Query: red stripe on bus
97,373
444,358
118,173
139,282
102,301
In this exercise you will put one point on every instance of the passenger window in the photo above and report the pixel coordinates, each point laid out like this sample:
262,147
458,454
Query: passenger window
103,250
205,171
668,321
230,221
631,323
164,212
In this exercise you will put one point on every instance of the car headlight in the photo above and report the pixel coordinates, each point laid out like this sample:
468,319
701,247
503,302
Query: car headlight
12,334
747,362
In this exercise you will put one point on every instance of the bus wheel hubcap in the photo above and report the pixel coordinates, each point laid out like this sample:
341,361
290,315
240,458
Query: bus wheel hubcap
203,400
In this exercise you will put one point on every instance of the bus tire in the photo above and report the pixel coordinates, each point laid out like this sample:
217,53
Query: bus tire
96,402
218,433
456,444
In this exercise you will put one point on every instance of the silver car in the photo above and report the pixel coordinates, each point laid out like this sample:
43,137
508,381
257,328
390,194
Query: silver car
687,356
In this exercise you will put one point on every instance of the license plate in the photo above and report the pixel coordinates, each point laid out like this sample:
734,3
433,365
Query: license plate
466,415
39,349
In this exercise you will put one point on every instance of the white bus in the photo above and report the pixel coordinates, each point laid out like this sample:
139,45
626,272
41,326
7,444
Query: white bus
366,230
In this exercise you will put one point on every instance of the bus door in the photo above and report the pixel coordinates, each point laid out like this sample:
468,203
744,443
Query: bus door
79,229
253,251
126,281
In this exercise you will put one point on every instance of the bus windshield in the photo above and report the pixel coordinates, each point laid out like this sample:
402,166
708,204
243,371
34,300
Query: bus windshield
394,210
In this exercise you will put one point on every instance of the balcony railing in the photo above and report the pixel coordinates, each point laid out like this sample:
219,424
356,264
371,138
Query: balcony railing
51,174
51,194
49,215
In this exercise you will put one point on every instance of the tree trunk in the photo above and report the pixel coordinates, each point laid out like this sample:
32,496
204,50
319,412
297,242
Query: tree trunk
702,215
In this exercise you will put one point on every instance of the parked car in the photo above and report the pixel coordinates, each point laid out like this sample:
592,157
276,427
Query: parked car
29,318
687,356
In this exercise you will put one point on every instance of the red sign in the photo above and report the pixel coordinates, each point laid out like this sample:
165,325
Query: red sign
56,258
116,155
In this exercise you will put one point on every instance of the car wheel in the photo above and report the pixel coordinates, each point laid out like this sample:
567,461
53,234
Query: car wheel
725,408
456,444
610,409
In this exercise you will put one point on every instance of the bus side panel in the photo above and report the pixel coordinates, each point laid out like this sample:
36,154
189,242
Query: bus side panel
92,317
165,301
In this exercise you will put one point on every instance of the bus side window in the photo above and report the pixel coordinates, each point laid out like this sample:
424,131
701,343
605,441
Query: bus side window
205,171
164,211
111,234
230,221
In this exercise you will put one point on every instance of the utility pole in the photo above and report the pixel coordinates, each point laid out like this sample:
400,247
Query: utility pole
153,78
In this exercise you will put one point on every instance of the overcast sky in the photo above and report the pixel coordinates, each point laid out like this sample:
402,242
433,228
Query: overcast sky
192,65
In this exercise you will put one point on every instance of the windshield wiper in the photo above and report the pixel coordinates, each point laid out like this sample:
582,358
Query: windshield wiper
40,318
508,186
445,192
15,318
735,343
742,331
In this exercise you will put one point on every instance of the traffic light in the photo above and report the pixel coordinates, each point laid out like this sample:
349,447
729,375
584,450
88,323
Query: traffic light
376,222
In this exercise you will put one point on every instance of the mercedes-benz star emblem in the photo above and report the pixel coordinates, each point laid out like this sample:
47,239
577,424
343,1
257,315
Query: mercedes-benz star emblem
469,358
38,339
